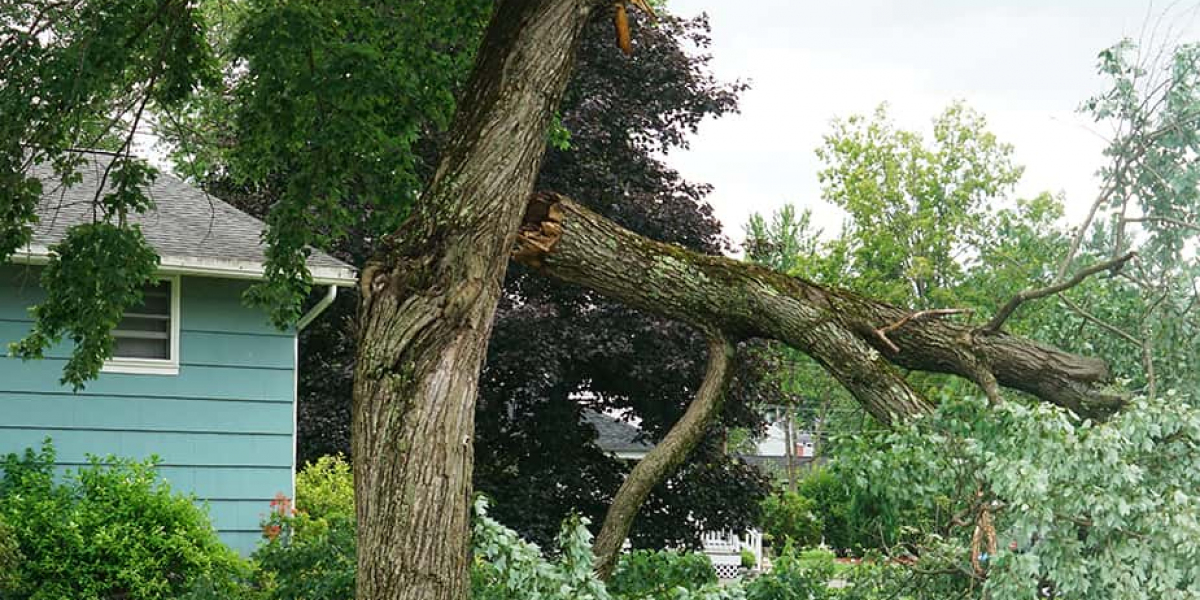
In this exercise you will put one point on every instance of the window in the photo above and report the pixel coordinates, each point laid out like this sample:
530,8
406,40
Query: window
147,338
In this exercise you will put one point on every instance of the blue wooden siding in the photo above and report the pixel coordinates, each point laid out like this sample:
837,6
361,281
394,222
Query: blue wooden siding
222,428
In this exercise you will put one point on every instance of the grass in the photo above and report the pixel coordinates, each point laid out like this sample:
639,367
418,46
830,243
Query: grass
814,557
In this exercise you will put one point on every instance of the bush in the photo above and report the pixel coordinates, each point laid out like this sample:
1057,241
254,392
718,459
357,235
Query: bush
646,573
748,559
10,560
791,517
112,529
828,507
309,552
326,488
792,578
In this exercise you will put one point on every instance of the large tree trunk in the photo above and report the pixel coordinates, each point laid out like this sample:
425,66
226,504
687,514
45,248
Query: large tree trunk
427,302
839,329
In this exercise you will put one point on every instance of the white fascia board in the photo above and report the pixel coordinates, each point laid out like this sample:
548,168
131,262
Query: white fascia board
208,267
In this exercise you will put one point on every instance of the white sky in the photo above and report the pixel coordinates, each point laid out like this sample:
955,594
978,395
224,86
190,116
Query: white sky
1025,64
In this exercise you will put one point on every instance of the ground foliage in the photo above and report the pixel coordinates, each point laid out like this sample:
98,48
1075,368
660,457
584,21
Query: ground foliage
111,529
1087,510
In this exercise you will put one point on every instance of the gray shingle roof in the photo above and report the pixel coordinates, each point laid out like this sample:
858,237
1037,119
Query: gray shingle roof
188,228
615,435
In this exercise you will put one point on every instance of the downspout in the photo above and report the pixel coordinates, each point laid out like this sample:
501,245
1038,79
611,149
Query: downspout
308,317
316,310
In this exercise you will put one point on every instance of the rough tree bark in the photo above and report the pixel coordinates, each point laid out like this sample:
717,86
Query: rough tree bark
666,456
839,329
427,302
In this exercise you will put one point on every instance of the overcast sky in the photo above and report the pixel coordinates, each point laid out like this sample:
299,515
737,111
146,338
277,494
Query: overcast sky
1026,64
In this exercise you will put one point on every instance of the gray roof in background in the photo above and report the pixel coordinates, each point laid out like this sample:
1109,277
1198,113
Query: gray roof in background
615,435
185,222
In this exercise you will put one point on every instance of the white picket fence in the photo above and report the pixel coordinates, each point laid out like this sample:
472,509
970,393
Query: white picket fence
724,549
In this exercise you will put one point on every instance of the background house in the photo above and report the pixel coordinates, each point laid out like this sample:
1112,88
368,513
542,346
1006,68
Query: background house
200,380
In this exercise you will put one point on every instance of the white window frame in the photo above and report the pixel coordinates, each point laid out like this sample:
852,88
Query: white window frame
154,366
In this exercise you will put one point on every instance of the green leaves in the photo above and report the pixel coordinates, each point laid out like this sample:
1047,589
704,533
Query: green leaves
914,205
94,274
331,99
109,529
651,574
81,75
1093,510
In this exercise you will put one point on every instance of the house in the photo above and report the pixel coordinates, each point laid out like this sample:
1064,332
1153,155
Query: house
199,379
781,453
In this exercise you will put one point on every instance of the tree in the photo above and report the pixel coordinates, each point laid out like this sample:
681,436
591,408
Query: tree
991,488
428,295
618,112
558,349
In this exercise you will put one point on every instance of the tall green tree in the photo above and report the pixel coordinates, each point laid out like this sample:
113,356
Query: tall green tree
913,205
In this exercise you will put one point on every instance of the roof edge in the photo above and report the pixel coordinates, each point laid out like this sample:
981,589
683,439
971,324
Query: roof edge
207,267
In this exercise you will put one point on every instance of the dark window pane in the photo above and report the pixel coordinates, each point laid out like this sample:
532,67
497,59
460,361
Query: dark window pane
145,332
140,348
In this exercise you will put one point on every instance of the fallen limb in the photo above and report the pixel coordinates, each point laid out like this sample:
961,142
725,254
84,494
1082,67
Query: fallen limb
835,327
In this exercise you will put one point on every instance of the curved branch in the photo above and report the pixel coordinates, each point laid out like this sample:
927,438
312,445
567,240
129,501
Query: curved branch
1011,306
665,457
836,328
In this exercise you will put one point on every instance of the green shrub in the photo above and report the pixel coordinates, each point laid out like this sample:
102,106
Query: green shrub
109,530
850,519
748,559
10,560
508,568
309,552
308,558
791,517
792,578
326,488
646,573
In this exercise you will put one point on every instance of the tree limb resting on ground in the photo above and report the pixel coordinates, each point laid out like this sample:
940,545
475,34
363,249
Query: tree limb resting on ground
837,328
665,457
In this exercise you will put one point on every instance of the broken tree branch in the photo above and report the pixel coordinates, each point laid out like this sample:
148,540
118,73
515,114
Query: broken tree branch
1011,306
665,457
835,327
1097,321
917,316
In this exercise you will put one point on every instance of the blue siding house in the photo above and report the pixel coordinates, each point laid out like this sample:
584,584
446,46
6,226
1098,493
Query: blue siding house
199,379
